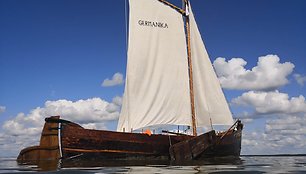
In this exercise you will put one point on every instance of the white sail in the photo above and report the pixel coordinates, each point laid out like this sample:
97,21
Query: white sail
210,102
156,89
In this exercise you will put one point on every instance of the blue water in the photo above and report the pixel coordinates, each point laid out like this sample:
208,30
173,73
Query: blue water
246,164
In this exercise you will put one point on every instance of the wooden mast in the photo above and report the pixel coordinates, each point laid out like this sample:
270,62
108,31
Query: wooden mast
193,115
184,13
173,6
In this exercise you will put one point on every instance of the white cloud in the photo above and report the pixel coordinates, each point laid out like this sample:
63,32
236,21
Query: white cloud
290,125
281,135
97,126
117,79
269,73
117,100
2,109
91,113
300,79
94,110
82,111
271,102
11,145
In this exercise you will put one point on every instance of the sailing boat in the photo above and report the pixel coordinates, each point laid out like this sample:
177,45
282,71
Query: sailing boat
169,81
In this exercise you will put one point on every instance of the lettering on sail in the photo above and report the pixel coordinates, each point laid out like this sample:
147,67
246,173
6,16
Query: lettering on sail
152,24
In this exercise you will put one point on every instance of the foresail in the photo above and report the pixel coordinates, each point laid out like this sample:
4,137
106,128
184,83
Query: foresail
156,89
210,102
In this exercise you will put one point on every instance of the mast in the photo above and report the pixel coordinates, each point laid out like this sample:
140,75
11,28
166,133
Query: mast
193,115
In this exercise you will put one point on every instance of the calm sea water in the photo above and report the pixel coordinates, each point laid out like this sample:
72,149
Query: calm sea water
246,164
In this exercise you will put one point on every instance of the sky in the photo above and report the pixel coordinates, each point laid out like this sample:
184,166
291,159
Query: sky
68,58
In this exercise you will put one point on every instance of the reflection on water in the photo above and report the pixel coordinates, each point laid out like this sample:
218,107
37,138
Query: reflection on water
247,164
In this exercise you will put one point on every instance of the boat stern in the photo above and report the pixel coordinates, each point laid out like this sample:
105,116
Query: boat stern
48,148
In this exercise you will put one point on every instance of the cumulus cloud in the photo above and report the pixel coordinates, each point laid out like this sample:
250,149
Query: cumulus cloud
117,79
273,102
269,74
290,125
91,113
11,145
281,135
94,110
300,79
2,109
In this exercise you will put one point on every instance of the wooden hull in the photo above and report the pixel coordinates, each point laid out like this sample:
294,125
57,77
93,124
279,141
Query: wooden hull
79,142
65,140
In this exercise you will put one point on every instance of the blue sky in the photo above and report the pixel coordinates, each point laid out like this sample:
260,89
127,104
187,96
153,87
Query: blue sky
64,49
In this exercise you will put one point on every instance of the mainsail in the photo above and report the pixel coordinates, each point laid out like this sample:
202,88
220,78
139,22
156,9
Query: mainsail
156,89
157,82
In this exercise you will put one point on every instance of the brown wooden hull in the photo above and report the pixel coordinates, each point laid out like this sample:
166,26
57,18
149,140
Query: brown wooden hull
80,142
62,139
229,145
